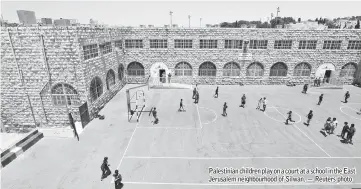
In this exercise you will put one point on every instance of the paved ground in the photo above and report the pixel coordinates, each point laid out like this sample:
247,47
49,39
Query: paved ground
178,152
9,139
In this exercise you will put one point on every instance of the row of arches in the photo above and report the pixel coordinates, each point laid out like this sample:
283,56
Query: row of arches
96,84
233,69
65,94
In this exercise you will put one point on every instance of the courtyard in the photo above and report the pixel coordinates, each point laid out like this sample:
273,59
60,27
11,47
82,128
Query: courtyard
179,151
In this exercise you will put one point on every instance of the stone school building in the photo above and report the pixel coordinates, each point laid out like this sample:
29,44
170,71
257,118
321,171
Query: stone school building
47,72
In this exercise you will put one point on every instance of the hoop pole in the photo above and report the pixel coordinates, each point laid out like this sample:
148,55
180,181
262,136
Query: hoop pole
128,103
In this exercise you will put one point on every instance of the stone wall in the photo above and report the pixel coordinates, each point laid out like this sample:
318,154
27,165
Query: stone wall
220,56
46,56
38,51
99,66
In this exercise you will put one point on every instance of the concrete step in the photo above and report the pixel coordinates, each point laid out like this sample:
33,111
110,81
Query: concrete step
20,148
30,134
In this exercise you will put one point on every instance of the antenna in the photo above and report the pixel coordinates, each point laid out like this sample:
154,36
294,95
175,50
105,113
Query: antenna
170,13
189,21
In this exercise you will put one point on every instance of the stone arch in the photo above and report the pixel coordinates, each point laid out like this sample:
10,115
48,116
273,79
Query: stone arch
157,68
231,69
135,69
279,69
255,69
349,70
207,69
96,88
110,79
183,69
302,69
64,94
321,70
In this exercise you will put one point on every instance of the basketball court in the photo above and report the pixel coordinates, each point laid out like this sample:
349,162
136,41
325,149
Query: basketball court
182,149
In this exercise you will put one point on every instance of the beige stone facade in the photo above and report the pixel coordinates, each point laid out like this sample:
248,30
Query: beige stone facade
45,56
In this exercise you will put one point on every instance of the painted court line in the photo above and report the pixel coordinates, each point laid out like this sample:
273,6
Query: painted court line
292,112
179,128
214,112
233,158
349,114
239,184
199,116
294,124
126,149
282,121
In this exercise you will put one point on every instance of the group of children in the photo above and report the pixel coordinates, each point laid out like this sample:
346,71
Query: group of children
329,126
347,131
261,102
106,172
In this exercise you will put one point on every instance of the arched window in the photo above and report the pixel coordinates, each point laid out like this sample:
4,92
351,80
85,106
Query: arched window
279,69
135,69
255,69
120,72
63,94
110,78
96,88
207,69
348,70
183,69
302,69
231,69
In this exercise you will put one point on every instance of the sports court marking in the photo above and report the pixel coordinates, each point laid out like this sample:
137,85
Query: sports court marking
239,184
345,106
179,128
215,115
199,116
126,149
294,124
233,158
282,121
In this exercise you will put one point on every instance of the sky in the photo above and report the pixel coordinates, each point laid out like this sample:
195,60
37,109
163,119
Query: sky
135,13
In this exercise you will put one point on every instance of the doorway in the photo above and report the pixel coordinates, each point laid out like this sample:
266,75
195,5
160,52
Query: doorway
162,75
84,114
328,75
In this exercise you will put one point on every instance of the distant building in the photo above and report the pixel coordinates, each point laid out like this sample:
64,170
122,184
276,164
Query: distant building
306,25
243,25
26,17
74,22
252,26
62,22
46,21
346,24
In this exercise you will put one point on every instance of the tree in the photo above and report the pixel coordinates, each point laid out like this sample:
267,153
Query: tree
264,25
316,20
320,21
299,20
357,26
330,24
